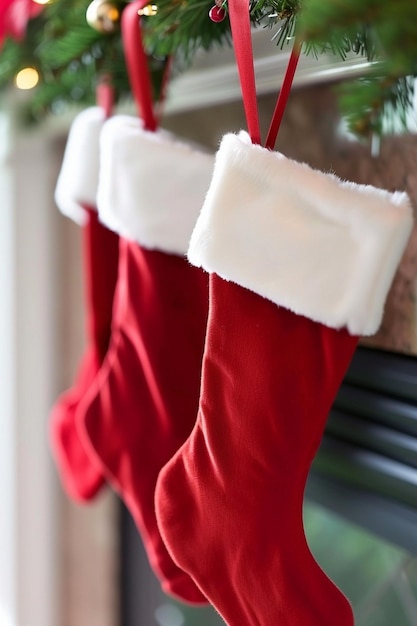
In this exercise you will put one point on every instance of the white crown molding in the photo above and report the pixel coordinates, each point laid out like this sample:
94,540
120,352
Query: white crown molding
213,79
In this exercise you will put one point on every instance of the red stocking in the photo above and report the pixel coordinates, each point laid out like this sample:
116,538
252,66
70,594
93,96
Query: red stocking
146,397
306,255
76,187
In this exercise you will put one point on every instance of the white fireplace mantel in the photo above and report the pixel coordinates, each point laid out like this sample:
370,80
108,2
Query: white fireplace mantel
212,78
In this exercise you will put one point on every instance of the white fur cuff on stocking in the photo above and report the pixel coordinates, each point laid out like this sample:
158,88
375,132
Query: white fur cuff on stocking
320,247
78,179
151,185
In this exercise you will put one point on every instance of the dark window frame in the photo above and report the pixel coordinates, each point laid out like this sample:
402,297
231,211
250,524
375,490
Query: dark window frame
366,468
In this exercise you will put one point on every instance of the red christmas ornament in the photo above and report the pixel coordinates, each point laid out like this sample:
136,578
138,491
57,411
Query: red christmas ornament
14,16
217,14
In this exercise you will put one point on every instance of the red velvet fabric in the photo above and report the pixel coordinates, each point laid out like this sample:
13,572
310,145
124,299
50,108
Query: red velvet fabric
145,400
80,475
229,503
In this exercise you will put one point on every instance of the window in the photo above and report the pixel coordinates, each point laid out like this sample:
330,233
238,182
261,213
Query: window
366,469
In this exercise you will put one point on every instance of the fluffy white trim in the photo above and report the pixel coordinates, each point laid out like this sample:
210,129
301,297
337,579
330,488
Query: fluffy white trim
78,179
151,185
323,248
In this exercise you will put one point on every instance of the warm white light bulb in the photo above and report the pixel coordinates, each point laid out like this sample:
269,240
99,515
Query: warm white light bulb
149,10
27,78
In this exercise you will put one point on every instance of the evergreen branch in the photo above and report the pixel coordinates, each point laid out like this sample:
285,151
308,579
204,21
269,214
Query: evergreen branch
378,105
182,27
70,56
391,28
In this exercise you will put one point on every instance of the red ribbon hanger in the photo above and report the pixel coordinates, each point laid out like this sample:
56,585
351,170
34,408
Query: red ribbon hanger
242,42
137,63
105,96
140,80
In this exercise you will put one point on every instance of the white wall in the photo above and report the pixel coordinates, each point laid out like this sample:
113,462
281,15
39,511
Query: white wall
28,505
8,539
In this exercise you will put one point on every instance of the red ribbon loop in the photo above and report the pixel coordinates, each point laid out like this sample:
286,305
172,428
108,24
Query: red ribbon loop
105,96
242,42
137,63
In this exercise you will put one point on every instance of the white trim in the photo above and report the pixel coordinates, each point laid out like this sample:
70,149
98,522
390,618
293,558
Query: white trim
28,569
36,353
78,179
8,481
213,78
151,185
323,248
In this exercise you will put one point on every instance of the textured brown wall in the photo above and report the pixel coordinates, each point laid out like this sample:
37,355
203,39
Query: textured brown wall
311,133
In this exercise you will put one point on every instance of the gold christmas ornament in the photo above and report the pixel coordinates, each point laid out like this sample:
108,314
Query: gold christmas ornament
103,16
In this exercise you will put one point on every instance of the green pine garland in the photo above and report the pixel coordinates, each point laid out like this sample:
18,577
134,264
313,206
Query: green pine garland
71,56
